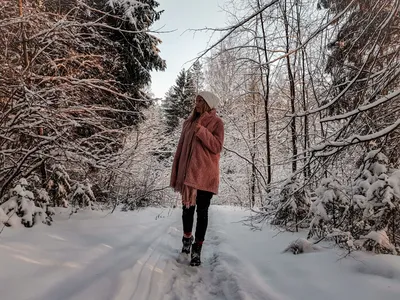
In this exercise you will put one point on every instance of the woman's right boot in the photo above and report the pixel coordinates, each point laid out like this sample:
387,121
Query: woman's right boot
196,252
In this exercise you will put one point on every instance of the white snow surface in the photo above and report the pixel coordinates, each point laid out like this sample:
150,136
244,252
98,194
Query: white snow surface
133,256
381,238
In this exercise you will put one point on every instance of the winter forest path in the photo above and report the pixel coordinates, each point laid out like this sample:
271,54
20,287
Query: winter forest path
133,256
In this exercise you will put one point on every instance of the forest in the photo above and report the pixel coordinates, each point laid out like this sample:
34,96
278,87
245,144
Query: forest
310,98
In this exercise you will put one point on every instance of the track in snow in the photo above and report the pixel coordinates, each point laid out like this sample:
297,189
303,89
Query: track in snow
133,256
159,275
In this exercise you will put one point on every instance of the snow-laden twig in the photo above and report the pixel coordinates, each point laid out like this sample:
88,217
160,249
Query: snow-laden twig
364,108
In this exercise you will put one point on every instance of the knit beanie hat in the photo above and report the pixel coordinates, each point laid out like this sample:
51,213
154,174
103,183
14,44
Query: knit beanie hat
211,99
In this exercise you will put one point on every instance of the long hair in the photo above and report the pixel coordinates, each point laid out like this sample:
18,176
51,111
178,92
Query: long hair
194,115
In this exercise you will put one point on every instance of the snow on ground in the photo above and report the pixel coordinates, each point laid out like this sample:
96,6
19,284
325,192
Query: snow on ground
133,256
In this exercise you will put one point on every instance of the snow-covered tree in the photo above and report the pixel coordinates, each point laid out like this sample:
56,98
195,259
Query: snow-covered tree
328,209
136,45
82,195
179,100
198,76
363,215
293,205
59,185
140,177
376,203
23,205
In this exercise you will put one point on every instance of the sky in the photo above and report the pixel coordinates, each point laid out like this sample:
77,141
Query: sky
181,46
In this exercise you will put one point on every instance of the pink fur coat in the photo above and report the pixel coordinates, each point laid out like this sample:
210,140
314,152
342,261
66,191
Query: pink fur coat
196,161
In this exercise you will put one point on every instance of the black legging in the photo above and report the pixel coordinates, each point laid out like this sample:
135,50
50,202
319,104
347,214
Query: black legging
203,203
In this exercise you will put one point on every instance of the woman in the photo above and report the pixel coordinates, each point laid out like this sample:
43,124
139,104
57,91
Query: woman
195,170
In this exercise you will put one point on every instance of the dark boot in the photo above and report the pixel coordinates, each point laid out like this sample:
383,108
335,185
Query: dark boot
187,244
196,252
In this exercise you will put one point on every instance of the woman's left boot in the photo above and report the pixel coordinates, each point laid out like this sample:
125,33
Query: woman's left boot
196,253
187,244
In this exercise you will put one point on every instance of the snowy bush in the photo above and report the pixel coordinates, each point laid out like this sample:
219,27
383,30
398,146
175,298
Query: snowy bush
82,195
363,215
148,188
293,205
376,205
328,209
59,186
28,203
25,206
378,242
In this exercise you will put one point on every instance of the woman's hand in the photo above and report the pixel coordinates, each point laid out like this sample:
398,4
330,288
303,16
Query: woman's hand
198,126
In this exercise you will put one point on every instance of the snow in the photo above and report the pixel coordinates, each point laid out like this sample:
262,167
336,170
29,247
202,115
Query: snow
3,216
129,7
381,238
363,108
376,154
133,255
301,245
356,138
10,204
43,195
23,182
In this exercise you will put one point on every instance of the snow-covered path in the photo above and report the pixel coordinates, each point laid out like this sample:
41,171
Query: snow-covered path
133,255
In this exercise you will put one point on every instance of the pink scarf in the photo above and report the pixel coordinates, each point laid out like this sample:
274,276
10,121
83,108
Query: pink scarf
189,194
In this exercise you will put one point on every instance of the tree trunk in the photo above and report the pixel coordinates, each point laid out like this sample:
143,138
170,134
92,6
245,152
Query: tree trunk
253,150
265,85
306,138
292,90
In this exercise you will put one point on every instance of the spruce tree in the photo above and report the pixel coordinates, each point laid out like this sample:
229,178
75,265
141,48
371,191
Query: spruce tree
198,76
137,48
179,100
363,63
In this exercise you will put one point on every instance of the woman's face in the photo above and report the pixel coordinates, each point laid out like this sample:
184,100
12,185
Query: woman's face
200,104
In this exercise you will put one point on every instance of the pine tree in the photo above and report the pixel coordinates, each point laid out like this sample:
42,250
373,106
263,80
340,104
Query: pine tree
179,100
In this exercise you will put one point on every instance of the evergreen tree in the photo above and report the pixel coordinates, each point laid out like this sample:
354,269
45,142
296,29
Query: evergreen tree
294,204
376,204
198,76
135,44
179,100
137,48
328,209
362,58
